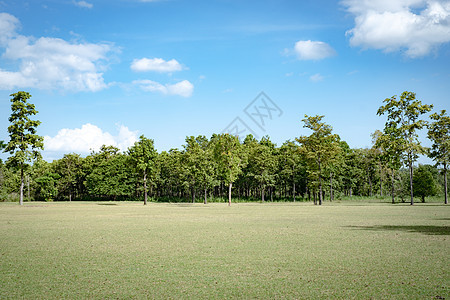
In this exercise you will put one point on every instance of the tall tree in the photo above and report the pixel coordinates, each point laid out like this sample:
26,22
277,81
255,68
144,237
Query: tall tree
264,164
24,144
403,115
424,184
230,158
439,134
390,144
199,165
111,175
291,168
69,170
143,156
319,148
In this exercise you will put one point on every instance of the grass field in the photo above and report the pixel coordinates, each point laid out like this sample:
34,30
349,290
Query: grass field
126,250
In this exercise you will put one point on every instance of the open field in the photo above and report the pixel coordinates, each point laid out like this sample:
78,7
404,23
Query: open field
282,250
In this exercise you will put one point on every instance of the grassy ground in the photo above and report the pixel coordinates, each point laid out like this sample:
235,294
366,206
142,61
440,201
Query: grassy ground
282,250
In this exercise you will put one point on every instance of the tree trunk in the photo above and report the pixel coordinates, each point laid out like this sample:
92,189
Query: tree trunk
271,194
331,187
229,193
145,188
293,190
315,197
392,188
193,195
370,185
204,202
381,187
411,178
381,181
445,184
262,194
28,188
21,186
320,185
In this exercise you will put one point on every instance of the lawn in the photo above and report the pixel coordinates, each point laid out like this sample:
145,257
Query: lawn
282,250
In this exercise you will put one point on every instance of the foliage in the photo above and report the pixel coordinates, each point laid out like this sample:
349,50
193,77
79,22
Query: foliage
110,175
439,134
24,144
403,121
229,157
320,148
143,156
424,184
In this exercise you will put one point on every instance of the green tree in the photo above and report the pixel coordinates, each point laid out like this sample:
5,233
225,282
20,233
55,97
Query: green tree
439,134
403,117
143,156
291,168
199,167
390,143
265,164
69,169
230,158
111,174
320,148
24,144
424,184
47,186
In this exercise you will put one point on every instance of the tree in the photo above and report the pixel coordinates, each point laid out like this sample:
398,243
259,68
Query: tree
264,164
319,148
424,184
230,158
439,134
24,144
390,143
143,156
111,174
69,170
291,168
403,118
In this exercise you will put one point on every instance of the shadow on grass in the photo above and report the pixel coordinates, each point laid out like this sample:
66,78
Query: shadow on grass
429,230
106,203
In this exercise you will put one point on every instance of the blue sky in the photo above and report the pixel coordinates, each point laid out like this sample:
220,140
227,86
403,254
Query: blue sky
105,72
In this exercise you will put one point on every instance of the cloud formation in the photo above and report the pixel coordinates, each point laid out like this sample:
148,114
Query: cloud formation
316,77
155,64
183,88
415,26
50,63
87,138
84,4
313,50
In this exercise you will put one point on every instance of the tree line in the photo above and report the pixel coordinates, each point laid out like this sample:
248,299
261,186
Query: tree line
313,167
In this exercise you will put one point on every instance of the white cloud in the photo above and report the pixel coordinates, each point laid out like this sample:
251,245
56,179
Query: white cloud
155,64
416,26
183,88
50,63
87,138
8,25
84,4
316,77
313,50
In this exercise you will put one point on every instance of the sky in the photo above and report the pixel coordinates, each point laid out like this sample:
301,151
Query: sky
108,71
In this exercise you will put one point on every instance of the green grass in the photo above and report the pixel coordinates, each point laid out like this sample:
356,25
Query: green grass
281,250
